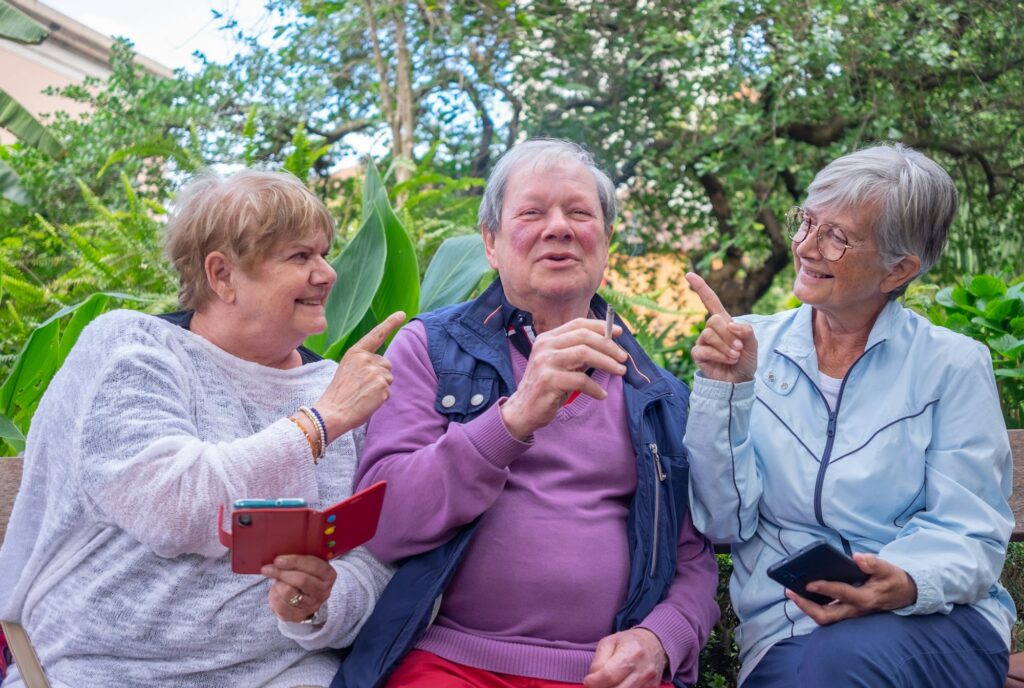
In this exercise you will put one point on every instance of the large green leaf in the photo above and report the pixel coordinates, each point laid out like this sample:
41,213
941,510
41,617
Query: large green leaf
999,309
19,27
400,288
41,357
20,122
10,432
1007,345
986,286
31,374
10,186
339,347
360,268
457,267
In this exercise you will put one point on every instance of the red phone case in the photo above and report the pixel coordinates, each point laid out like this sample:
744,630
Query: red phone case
300,530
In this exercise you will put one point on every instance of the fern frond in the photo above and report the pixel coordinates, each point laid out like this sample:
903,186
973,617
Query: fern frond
19,288
93,202
91,255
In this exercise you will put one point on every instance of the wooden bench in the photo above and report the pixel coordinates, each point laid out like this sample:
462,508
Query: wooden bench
10,479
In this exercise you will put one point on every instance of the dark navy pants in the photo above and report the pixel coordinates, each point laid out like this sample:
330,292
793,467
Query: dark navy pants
888,651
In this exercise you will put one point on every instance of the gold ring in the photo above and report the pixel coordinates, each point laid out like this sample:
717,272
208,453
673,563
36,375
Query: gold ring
296,599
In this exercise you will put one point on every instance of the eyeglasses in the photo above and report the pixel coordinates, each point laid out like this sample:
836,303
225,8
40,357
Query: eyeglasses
830,240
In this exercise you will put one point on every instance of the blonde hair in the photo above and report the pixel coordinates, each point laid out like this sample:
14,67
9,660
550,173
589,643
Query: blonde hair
244,215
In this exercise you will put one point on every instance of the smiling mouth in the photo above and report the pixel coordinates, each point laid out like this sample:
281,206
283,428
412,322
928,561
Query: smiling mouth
311,302
816,275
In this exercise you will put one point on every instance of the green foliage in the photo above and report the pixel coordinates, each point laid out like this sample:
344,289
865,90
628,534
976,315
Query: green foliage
384,69
20,122
666,347
46,267
457,268
1013,579
10,188
19,27
161,147
378,273
436,206
991,311
304,152
363,297
144,126
43,354
716,114
719,660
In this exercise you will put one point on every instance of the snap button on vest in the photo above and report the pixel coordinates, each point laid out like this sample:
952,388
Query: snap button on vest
476,399
448,401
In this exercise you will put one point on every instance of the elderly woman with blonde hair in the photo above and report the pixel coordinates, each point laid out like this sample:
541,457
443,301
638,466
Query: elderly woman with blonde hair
112,560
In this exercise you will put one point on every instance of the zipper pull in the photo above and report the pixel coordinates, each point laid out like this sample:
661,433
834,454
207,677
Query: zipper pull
831,430
657,461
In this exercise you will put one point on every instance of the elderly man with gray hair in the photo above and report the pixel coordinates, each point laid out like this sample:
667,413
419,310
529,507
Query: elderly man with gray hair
537,480
854,422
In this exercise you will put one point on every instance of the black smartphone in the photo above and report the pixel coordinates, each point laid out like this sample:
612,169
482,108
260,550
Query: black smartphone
817,561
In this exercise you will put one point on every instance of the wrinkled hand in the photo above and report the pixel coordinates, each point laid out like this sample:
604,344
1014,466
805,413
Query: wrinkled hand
725,350
296,573
889,587
629,659
361,383
557,367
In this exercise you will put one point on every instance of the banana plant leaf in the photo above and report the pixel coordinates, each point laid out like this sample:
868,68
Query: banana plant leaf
400,288
360,269
456,268
40,358
20,122
10,186
19,27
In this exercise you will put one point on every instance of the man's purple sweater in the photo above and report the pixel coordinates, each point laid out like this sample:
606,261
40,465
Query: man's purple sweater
548,567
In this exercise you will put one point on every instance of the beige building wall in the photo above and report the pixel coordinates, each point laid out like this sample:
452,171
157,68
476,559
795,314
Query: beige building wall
68,55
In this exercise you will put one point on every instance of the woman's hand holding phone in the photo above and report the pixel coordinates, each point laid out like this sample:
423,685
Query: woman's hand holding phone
889,587
302,583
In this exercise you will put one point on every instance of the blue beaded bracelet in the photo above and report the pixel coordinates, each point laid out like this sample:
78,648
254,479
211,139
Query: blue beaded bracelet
323,425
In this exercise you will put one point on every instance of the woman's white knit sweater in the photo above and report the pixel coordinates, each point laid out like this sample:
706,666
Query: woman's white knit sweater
111,559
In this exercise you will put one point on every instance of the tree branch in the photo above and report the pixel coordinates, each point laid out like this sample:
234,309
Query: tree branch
817,134
341,131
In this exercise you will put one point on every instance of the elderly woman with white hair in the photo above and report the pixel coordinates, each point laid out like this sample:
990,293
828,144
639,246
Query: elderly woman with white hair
854,421
112,560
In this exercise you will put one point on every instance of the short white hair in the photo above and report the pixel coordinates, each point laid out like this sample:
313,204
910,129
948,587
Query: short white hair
915,198
541,152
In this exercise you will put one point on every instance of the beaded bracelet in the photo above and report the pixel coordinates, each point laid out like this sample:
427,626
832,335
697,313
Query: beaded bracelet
323,425
320,430
312,447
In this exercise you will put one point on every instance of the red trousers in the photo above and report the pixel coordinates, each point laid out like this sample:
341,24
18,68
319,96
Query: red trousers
422,669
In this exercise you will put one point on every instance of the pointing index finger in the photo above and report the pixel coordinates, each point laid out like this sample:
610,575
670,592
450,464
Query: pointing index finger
373,339
707,295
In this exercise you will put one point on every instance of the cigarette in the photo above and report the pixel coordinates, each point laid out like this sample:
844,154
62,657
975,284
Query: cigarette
609,321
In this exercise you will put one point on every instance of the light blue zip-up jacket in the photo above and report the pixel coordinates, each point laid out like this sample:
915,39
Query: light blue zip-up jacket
913,465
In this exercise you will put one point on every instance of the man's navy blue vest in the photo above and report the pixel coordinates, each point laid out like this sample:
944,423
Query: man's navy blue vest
470,356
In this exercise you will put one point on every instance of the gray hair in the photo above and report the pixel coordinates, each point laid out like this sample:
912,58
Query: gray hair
245,216
540,152
915,197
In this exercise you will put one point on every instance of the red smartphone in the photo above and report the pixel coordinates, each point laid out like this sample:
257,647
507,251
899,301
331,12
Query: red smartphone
261,533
